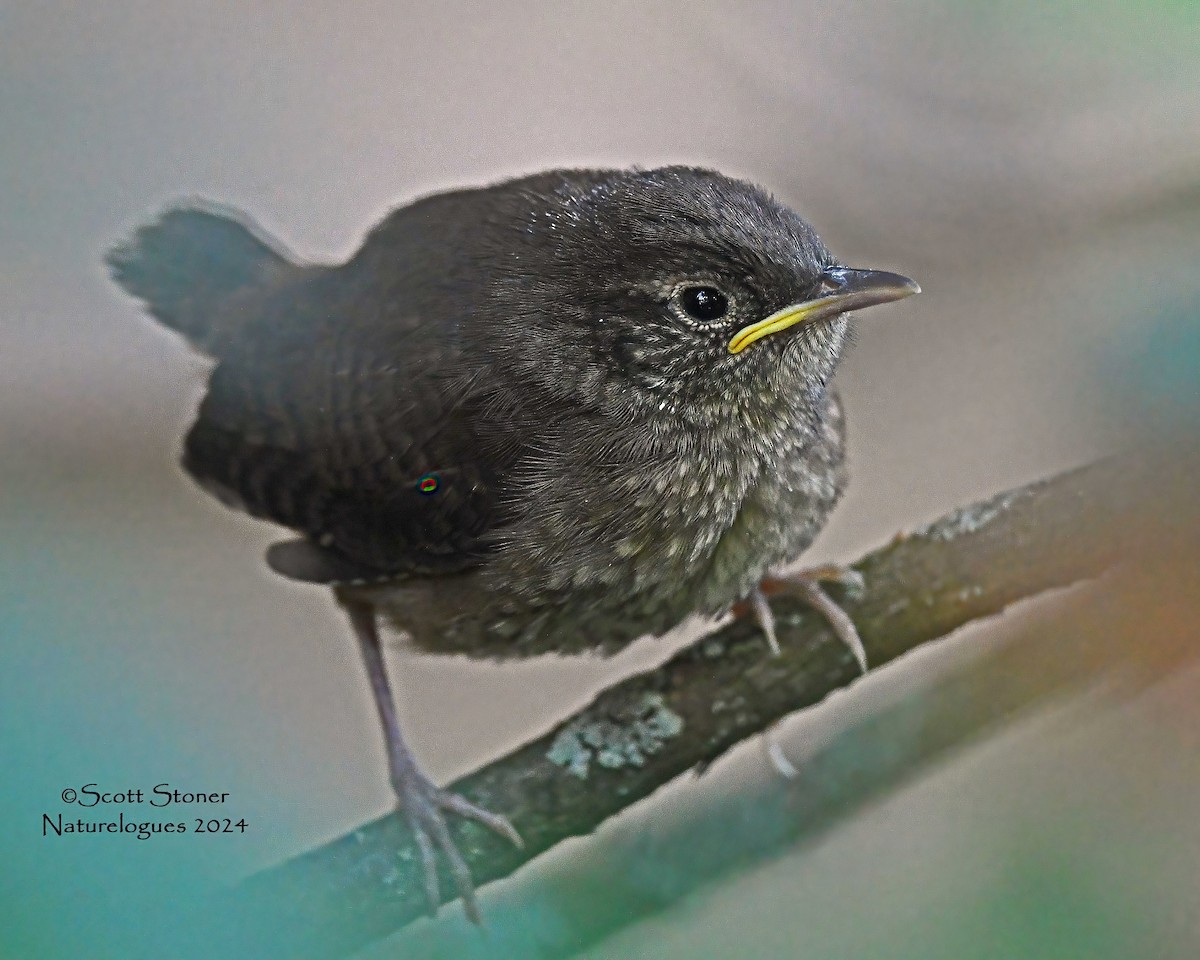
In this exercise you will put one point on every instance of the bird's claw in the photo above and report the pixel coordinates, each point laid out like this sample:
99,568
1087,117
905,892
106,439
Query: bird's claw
778,759
424,805
807,586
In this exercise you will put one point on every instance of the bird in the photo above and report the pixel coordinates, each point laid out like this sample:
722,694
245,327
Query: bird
550,415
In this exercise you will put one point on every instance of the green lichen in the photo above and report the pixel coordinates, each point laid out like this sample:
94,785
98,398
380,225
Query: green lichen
971,518
713,648
615,738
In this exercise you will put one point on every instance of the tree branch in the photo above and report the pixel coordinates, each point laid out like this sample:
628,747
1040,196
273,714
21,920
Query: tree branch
648,729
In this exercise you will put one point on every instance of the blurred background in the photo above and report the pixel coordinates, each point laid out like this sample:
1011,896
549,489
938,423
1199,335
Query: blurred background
1036,166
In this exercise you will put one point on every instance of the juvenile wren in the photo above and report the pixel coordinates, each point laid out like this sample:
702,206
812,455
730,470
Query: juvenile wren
546,416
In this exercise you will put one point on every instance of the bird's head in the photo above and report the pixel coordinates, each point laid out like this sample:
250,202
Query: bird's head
676,292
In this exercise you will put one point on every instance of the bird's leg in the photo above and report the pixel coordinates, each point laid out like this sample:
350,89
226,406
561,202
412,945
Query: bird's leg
422,802
806,584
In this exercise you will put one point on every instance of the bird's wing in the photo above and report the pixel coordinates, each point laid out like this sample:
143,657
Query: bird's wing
362,435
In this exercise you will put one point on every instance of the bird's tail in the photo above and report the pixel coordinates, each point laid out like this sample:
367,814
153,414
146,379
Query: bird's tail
190,265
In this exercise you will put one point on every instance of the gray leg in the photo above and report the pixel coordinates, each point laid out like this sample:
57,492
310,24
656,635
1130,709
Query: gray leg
807,585
421,801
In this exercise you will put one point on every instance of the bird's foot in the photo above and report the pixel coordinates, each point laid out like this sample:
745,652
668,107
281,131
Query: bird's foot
807,586
777,758
424,805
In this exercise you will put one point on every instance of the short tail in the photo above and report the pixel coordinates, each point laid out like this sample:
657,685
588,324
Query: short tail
189,264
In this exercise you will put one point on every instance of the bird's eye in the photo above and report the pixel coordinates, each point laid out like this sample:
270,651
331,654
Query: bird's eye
705,304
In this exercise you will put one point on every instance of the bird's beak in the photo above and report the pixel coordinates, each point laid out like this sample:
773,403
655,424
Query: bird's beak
848,290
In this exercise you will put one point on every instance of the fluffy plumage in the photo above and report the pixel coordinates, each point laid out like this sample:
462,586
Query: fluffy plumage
518,419
604,465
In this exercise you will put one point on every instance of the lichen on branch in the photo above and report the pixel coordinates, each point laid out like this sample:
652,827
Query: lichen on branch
650,728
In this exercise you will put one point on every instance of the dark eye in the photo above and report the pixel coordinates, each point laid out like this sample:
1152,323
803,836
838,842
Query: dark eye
705,304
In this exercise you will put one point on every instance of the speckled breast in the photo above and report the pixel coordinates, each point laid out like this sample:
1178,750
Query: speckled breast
744,530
